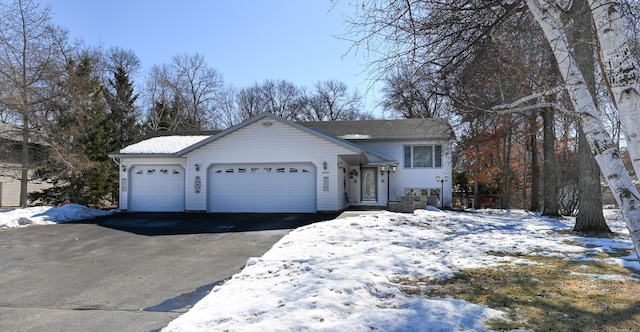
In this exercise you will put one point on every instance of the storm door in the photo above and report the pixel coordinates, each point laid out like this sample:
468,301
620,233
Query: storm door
369,184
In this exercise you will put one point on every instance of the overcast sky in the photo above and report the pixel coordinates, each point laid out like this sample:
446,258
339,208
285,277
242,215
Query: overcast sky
246,41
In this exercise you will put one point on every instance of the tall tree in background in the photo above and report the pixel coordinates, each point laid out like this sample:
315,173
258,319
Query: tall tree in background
581,37
408,94
190,87
29,56
120,96
79,134
282,98
443,34
331,100
249,101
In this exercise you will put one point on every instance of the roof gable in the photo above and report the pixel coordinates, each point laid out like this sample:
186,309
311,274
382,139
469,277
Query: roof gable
273,117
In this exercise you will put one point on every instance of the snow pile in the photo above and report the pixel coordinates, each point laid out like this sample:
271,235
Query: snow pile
163,144
46,215
339,275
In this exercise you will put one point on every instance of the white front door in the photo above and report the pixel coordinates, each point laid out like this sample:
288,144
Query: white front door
369,186
262,188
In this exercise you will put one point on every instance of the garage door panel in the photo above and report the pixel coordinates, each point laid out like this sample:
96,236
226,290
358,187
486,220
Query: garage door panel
157,188
262,188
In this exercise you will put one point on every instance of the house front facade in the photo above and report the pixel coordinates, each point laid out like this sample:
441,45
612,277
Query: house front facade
269,164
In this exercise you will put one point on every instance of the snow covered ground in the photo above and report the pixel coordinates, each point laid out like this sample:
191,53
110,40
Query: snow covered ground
46,215
338,275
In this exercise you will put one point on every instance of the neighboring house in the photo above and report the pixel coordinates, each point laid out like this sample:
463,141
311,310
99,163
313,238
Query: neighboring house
11,165
269,164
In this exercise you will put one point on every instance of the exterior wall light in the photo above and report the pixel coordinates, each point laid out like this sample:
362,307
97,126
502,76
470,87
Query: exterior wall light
124,168
382,169
442,181
197,167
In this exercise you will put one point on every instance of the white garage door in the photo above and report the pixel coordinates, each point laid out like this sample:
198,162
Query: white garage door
157,188
262,188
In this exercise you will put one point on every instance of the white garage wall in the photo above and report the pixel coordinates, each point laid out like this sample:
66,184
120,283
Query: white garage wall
274,143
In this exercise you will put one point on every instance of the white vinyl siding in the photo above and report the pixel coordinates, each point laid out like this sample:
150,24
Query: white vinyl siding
276,143
407,177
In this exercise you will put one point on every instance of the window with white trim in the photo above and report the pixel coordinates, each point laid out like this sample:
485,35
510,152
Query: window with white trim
422,156
422,191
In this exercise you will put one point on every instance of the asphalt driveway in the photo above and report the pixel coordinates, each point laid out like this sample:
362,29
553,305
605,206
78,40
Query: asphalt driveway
127,272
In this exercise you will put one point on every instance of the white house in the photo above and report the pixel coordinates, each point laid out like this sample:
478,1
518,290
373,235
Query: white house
11,164
269,164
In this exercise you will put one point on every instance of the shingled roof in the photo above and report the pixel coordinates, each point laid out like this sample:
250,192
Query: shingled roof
400,129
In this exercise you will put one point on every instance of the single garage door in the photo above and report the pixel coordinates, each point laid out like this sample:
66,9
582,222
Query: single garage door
157,188
262,188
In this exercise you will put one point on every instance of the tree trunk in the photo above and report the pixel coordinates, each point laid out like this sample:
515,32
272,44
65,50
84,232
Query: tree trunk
621,72
535,168
505,201
550,205
590,217
24,179
601,144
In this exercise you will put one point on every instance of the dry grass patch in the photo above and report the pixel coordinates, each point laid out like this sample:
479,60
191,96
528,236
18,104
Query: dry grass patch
552,295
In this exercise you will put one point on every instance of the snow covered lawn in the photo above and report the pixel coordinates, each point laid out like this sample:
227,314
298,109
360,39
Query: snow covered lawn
338,275
47,215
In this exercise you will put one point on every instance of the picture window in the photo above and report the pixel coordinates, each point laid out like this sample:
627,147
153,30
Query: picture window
422,156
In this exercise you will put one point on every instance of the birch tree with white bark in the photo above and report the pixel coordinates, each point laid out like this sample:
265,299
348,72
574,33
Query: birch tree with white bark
443,43
621,73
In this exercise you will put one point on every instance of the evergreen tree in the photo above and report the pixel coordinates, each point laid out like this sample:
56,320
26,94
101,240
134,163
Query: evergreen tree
81,133
121,100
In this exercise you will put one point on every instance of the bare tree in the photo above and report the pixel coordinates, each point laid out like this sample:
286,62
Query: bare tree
331,100
29,53
189,87
410,95
441,35
227,105
249,101
127,60
282,98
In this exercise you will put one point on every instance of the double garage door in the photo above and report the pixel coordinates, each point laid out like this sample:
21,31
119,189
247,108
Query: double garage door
231,188
262,188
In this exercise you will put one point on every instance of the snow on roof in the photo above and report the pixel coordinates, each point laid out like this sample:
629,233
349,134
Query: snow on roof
163,144
355,136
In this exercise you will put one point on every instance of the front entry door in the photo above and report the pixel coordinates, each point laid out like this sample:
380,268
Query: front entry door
369,184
